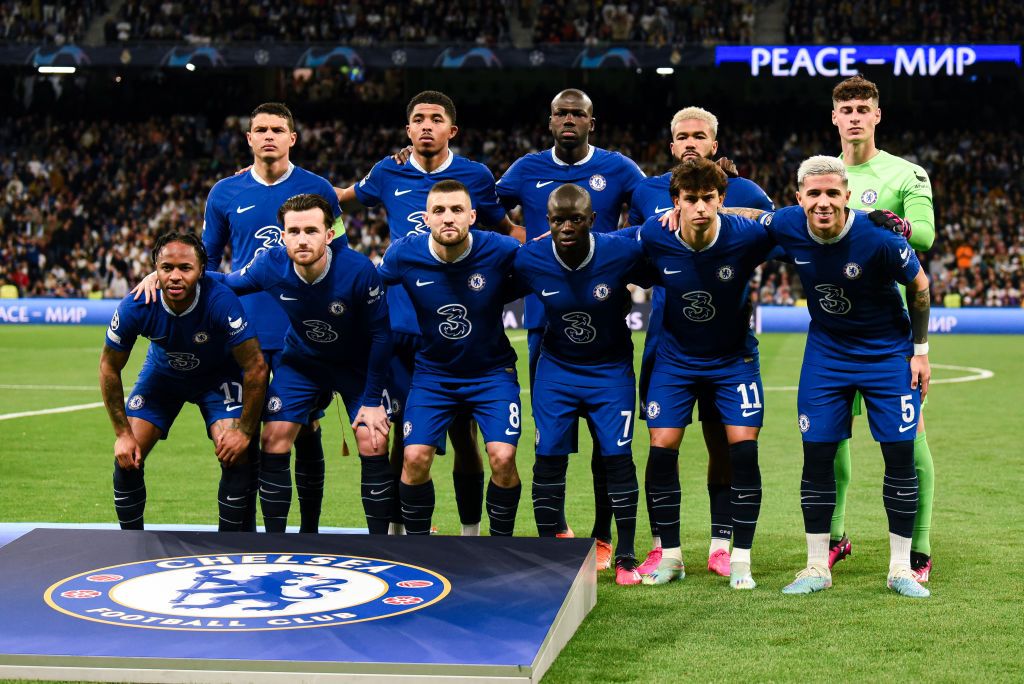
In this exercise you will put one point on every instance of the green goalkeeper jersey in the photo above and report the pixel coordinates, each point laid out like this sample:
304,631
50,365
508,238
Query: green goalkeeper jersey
890,182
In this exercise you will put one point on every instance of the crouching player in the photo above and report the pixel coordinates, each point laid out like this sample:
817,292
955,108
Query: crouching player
585,367
458,280
860,339
202,351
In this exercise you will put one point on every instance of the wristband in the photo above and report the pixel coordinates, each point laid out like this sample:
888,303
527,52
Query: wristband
920,349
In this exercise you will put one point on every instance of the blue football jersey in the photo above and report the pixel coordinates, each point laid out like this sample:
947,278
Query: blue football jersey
850,284
609,177
193,345
242,211
341,318
652,197
707,322
586,336
459,306
402,189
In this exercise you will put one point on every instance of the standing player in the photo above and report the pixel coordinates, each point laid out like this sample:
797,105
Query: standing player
610,178
241,211
705,349
202,351
879,180
586,361
458,281
860,339
402,188
694,136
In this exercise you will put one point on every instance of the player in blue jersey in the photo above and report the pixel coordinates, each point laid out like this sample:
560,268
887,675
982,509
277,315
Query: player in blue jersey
694,136
860,339
610,178
586,361
458,280
402,187
705,349
202,351
241,211
338,341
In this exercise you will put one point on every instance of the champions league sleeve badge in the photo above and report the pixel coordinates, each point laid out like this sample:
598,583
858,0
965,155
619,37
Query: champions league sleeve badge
247,592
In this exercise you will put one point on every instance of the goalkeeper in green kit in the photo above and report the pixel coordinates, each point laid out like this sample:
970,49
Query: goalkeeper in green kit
879,180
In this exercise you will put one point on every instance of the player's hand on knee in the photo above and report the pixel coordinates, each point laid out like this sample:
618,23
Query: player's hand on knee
231,446
127,452
148,286
920,373
670,220
402,155
375,419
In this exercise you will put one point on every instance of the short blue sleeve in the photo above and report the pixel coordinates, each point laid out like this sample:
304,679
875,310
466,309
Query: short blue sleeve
508,186
369,190
125,326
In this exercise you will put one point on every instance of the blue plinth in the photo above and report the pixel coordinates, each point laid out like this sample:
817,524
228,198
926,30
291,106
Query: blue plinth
207,606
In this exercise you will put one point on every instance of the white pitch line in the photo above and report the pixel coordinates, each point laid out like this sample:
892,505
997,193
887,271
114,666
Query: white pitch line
44,412
979,374
69,388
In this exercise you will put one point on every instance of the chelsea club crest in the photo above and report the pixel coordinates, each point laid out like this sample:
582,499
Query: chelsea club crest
601,292
247,592
868,197
852,270
598,182
477,282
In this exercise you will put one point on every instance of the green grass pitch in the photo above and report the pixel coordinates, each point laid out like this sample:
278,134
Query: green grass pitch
57,467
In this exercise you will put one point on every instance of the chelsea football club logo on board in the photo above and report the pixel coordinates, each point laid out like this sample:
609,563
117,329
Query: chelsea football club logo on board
601,292
247,592
868,197
852,270
597,182
477,282
725,273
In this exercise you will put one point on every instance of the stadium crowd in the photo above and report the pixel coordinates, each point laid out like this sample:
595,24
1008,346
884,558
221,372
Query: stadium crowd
895,21
655,22
83,201
356,22
47,21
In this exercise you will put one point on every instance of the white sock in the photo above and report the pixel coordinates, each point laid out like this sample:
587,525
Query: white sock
675,552
471,530
396,529
656,542
740,556
817,549
899,552
718,545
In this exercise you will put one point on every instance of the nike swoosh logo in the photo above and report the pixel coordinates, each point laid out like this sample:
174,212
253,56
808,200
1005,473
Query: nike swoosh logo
541,184
745,496
623,442
658,498
899,493
905,254
374,292
399,193
421,283
121,498
802,263
614,500
236,498
232,408
545,293
904,428
375,492
289,299
747,414
668,272
511,432
809,496
242,210
154,339
658,210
